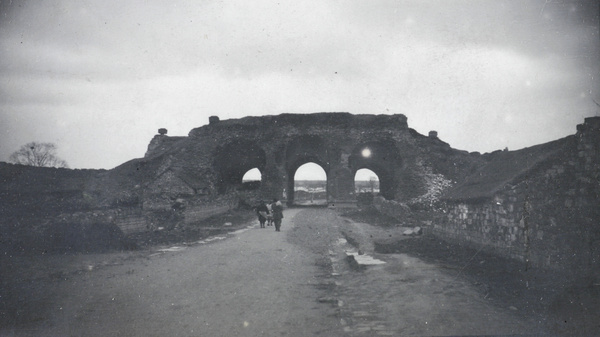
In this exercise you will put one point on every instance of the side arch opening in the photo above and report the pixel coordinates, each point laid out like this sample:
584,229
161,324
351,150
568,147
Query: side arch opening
233,160
382,158
366,186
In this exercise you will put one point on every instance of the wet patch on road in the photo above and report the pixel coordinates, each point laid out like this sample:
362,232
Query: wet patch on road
203,241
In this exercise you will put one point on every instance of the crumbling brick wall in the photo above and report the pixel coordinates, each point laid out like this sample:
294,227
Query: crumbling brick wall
548,217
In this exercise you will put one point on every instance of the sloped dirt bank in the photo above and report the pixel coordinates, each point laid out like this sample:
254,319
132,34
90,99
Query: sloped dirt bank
28,277
39,236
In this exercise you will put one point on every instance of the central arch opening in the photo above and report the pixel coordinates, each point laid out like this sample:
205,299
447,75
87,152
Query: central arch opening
310,185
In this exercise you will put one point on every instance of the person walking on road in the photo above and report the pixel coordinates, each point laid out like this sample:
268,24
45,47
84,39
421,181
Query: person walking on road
262,211
270,215
277,214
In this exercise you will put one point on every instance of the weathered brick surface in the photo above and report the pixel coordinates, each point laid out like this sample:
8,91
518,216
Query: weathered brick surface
547,216
220,153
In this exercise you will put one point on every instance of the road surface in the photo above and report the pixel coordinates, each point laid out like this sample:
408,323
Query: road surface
258,282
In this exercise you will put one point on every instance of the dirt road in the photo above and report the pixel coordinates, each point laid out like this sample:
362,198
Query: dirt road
402,295
253,283
258,282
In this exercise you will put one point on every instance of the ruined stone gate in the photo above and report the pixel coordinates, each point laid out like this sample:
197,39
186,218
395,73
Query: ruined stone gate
218,155
539,205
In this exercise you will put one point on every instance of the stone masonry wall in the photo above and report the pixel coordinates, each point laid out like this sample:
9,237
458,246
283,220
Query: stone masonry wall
549,218
127,220
198,213
495,225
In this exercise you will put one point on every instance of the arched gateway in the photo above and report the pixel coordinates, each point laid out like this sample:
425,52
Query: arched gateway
216,156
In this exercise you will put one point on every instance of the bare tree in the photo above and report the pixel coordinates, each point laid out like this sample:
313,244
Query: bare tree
37,154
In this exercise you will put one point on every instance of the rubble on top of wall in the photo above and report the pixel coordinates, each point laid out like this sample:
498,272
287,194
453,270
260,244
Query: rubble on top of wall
435,185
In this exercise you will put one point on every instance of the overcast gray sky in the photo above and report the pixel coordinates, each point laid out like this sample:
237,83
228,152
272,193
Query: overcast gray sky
98,78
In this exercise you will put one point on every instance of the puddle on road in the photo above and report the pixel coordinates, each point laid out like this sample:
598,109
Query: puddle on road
364,259
214,238
172,249
165,250
239,231
361,259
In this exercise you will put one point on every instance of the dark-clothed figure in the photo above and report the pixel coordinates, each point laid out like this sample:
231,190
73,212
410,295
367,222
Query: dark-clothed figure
270,215
277,214
262,211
